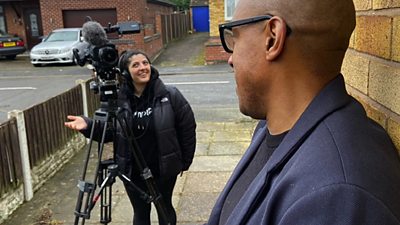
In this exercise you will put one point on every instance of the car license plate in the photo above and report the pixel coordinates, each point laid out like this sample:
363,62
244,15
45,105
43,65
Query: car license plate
9,44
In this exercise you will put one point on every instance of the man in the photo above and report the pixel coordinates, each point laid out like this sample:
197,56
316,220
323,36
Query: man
315,158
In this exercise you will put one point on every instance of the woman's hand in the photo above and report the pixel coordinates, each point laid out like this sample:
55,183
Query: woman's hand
76,123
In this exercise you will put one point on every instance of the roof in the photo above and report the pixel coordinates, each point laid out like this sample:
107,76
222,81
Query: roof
198,3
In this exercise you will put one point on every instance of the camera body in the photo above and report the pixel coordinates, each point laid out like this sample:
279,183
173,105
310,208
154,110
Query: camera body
104,62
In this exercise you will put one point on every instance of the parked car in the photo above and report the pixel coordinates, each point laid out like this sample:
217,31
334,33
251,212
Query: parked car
11,45
57,47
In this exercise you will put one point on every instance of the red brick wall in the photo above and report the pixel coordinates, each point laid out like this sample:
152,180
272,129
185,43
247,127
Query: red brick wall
127,10
214,52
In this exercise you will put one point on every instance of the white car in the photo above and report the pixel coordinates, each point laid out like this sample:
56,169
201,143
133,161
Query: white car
57,47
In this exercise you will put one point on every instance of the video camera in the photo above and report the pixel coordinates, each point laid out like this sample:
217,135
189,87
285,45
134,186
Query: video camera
99,52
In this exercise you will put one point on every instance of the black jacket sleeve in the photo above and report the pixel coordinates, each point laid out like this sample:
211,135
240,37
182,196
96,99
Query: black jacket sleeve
98,130
185,126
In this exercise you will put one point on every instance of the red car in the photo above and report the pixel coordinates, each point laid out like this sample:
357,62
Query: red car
11,45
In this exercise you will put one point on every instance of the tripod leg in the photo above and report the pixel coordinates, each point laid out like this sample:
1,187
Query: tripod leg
143,195
85,201
107,175
85,188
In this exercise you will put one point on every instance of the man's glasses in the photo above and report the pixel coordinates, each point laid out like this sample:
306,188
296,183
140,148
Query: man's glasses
226,34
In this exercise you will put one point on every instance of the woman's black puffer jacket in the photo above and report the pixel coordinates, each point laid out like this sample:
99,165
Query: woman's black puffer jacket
175,129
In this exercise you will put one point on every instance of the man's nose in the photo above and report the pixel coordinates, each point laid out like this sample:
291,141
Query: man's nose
230,61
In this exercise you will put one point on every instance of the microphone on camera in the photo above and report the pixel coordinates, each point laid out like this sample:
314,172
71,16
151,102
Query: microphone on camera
94,33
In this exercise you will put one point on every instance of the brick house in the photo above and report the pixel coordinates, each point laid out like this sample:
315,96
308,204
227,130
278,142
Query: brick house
31,19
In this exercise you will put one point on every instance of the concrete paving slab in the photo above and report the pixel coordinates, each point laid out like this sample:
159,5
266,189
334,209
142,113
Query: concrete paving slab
199,182
202,148
196,207
228,148
214,163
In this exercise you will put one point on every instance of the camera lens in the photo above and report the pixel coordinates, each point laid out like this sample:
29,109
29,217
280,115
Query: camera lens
108,55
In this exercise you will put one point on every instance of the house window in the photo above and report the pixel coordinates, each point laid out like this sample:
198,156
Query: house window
230,6
2,20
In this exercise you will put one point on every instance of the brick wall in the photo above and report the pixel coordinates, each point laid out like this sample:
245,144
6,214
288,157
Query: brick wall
214,52
217,16
372,62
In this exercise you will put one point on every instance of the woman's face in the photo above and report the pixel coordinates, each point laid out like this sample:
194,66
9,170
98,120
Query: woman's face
139,68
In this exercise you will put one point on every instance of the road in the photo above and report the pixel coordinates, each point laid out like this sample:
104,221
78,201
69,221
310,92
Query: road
23,86
211,95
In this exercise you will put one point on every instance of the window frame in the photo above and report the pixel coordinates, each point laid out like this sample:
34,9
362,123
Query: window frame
226,16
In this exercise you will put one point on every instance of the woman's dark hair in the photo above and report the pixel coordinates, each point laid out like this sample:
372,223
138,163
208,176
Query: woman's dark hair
124,59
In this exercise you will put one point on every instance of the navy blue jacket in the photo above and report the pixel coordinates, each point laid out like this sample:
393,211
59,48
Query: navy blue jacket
335,166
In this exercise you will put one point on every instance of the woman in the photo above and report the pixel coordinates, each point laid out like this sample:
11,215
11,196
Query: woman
163,124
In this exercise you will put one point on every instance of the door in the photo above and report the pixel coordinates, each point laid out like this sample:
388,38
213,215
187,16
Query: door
201,19
76,18
33,26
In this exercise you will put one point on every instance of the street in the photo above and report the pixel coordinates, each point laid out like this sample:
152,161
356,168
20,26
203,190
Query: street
23,86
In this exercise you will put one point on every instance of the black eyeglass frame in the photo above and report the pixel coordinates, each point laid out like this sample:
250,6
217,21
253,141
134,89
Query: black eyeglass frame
246,21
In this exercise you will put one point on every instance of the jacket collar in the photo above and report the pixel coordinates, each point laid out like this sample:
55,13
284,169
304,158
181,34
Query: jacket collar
330,99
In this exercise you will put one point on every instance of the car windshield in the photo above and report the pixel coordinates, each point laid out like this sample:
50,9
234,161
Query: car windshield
62,36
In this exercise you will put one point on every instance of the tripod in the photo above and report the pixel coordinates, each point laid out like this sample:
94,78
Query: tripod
107,170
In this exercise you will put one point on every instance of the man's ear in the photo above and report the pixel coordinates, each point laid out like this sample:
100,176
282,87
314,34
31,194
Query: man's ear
275,36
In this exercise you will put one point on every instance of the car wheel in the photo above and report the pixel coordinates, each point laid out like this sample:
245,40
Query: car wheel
74,62
11,56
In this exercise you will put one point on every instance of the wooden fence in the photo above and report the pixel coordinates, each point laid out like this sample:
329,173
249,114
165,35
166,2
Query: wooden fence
44,123
10,157
45,132
174,26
